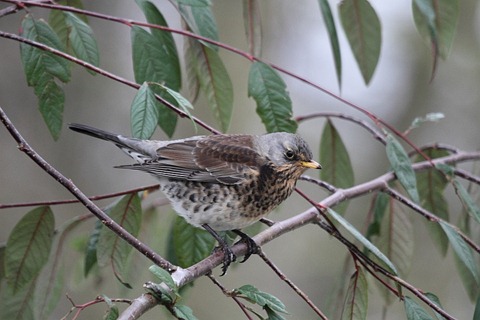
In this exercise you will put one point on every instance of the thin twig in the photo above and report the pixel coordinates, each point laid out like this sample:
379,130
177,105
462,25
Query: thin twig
81,307
375,132
466,175
228,293
91,206
330,187
292,285
9,10
69,201
430,216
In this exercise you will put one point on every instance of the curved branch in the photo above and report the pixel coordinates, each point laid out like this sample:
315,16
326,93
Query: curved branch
375,133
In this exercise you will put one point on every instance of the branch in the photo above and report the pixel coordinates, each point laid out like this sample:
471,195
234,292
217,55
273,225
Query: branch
430,216
92,207
375,133
292,285
227,293
69,201
138,307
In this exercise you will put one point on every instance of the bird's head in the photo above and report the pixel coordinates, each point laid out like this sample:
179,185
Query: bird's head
287,150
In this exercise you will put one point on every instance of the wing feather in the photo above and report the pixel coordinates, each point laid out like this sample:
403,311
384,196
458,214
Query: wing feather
220,158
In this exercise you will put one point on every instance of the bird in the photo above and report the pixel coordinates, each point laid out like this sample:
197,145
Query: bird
220,182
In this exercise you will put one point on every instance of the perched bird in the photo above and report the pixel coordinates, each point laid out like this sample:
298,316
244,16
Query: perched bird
220,182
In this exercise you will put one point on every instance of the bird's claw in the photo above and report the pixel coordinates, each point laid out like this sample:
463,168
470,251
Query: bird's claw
252,247
228,257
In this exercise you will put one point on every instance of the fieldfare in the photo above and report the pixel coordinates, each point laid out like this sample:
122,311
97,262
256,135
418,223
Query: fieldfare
220,182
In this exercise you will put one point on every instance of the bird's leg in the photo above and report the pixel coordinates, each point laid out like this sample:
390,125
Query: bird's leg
228,257
252,247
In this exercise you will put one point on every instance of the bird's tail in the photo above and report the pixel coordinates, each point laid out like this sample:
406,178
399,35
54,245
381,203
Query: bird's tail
140,150
94,132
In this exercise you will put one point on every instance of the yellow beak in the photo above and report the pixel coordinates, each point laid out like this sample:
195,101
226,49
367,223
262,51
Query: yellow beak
312,164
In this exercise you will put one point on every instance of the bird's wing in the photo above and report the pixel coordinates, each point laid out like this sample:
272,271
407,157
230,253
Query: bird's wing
222,158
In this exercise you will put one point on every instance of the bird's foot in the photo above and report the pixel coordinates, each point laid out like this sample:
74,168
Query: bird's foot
228,256
252,247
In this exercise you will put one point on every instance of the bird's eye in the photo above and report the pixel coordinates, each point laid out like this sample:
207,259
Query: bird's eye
289,154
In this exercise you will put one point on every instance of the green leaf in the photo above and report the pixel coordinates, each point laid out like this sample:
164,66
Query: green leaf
476,314
358,236
19,304
28,247
193,81
332,35
112,312
431,184
190,244
463,251
181,101
51,100
272,315
144,113
169,49
113,250
37,62
402,167
184,312
381,201
91,249
436,301
273,101
356,300
51,280
436,21
396,239
253,26
56,20
49,289
41,68
261,298
467,201
214,82
363,30
164,276
334,156
200,20
82,40
160,292
469,283
154,61
414,311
